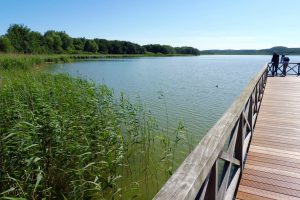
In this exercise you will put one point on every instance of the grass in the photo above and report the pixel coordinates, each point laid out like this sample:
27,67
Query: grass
22,61
25,62
67,138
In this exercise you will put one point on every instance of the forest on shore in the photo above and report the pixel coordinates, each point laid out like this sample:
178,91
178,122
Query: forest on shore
270,51
21,39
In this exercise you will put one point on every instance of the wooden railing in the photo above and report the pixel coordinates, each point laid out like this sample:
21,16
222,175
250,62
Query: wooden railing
213,169
292,69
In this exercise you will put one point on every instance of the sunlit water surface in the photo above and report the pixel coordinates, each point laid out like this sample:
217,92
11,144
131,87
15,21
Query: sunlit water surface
194,90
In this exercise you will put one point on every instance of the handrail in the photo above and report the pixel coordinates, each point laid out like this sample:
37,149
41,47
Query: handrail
213,169
292,69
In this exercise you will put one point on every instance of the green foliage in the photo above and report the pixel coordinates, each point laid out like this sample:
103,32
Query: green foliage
12,61
21,61
9,62
19,37
23,40
102,45
65,138
59,137
79,43
91,46
67,41
36,43
166,49
53,42
157,48
5,45
187,50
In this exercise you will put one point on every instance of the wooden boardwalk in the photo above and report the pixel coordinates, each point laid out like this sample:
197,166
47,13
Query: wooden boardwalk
272,169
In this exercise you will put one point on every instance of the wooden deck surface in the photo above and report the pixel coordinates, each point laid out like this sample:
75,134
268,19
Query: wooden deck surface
272,169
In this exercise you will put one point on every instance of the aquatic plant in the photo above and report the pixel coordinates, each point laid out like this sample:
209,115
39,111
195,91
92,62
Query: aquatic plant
68,138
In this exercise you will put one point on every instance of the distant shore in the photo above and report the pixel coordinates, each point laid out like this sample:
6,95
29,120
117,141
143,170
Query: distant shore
25,61
278,49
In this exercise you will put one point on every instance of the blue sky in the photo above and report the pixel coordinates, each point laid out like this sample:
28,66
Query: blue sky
205,24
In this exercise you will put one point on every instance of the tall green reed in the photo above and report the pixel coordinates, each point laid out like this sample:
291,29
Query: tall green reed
66,138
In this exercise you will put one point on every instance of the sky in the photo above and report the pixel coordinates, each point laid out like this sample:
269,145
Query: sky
204,24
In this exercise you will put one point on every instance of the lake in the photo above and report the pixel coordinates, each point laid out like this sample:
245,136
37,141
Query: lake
194,90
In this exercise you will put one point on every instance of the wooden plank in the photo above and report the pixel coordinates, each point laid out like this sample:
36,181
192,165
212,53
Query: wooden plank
269,181
279,135
243,195
275,144
265,193
271,188
272,176
272,161
272,140
267,149
272,168
281,132
276,157
278,146
274,171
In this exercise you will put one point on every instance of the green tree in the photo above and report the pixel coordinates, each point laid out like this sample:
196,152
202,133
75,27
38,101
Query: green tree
79,43
5,45
35,43
53,42
187,50
157,48
115,47
19,37
67,41
91,46
24,40
102,46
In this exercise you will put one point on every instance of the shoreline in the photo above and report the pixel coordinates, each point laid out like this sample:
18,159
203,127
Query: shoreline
31,61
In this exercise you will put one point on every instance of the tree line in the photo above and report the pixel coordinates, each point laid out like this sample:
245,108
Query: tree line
21,39
277,49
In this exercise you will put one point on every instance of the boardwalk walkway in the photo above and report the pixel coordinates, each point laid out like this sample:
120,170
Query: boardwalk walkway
272,169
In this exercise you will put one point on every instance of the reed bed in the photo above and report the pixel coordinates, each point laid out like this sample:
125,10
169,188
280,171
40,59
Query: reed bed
26,62
67,138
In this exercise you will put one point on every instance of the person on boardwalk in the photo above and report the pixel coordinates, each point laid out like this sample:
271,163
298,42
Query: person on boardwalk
275,63
281,58
285,64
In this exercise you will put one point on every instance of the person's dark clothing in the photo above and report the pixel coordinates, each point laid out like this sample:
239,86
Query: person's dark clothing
286,61
275,63
281,59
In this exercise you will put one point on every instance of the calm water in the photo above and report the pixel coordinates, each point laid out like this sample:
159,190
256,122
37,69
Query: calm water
194,90
175,88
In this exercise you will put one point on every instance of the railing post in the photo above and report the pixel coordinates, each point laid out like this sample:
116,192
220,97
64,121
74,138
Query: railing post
250,112
239,146
212,187
240,141
298,69
265,80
